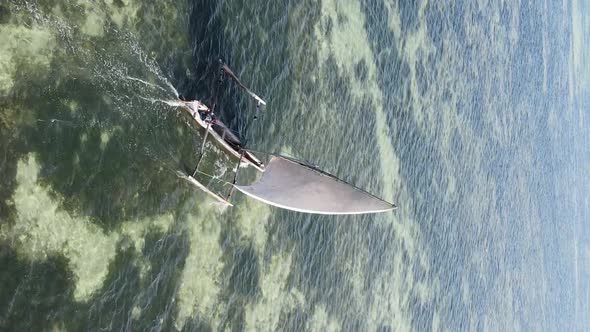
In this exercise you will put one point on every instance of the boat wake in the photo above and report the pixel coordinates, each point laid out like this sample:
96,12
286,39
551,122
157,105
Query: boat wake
150,84
173,103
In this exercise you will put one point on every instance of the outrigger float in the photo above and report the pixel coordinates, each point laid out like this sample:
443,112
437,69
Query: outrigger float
285,182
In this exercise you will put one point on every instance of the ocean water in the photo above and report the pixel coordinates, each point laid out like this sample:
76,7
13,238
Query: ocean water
471,116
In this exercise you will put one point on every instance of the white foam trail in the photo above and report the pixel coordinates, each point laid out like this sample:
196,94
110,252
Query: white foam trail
152,66
173,103
176,94
146,83
58,121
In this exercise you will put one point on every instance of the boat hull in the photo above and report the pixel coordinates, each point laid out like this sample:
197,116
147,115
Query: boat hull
229,142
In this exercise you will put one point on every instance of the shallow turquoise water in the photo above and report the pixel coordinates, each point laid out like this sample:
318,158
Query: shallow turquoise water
469,116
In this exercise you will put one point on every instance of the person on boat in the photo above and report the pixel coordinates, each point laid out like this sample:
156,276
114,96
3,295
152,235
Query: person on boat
209,117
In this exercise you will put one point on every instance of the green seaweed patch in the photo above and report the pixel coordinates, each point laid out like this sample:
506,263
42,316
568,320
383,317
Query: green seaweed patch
321,320
12,119
40,294
200,286
24,53
276,297
166,255
42,229
107,165
94,24
115,300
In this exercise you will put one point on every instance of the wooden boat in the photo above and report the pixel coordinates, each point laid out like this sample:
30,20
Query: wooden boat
285,182
204,118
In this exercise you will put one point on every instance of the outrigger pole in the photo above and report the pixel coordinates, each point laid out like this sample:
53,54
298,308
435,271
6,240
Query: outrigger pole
202,153
233,76
231,189
211,118
259,101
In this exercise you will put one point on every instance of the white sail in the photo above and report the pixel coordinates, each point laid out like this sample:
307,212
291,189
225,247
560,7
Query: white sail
290,185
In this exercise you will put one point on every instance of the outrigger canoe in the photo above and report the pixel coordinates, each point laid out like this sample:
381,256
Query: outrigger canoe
285,182
202,116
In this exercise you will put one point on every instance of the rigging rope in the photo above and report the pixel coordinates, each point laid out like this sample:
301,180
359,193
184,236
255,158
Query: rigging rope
214,178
